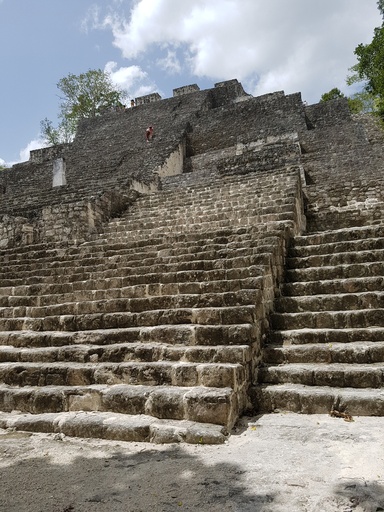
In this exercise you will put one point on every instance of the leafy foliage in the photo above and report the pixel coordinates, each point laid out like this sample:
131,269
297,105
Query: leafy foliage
359,102
63,134
380,6
370,66
333,94
86,95
362,102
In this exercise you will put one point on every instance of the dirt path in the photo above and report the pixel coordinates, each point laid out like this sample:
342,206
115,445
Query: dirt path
281,462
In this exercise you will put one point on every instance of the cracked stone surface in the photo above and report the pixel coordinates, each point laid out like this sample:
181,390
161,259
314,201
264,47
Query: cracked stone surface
277,462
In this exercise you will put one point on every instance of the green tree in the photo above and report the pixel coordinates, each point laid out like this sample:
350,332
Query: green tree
86,95
362,102
333,94
370,66
63,134
358,102
380,5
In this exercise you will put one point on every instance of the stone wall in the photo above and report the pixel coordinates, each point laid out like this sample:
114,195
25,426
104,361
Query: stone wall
15,231
247,121
64,223
256,158
343,160
347,201
38,156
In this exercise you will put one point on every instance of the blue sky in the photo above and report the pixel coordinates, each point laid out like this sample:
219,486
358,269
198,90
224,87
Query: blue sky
157,45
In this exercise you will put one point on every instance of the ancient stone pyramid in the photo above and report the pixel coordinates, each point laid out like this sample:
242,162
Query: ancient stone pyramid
234,264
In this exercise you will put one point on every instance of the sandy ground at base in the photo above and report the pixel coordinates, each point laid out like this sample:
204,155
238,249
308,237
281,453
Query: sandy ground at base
278,462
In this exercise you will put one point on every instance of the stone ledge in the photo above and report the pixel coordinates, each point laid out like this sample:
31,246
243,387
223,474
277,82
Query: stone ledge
318,400
120,427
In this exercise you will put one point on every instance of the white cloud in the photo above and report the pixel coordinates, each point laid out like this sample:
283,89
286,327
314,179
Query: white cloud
33,144
91,19
131,79
170,63
299,45
24,153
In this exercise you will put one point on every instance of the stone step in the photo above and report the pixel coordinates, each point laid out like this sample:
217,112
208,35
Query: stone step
318,400
357,270
102,272
145,231
170,256
155,219
343,335
328,319
159,242
168,246
255,239
222,234
115,278
158,373
117,252
323,374
206,291
218,210
336,258
330,302
219,201
55,319
220,187
59,251
343,246
267,223
49,307
359,352
356,216
181,334
334,286
339,235
116,427
219,207
127,352
39,295
200,404
95,264
194,281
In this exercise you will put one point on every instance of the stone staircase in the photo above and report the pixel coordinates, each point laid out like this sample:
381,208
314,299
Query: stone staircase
326,348
167,323
149,331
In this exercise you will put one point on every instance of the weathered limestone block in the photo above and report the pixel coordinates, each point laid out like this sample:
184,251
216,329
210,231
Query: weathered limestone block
166,403
220,376
211,406
16,231
149,98
184,374
90,400
126,399
186,89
